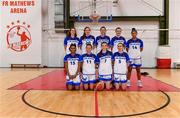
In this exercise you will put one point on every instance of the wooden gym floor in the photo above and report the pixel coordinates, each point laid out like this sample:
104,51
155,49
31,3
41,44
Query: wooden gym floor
40,93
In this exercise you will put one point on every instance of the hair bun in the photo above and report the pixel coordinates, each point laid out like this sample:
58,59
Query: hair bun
134,30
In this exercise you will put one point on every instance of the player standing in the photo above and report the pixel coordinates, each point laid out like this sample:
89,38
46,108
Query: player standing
134,49
71,39
87,38
102,38
117,39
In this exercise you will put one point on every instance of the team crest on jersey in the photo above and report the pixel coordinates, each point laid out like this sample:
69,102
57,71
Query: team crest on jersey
18,36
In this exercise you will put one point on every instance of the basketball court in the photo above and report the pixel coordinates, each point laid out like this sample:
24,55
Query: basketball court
32,75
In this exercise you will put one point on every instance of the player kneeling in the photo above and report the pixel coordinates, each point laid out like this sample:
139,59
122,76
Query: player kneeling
121,60
72,64
88,68
104,59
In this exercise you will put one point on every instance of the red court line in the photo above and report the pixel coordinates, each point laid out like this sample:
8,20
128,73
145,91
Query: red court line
56,80
96,104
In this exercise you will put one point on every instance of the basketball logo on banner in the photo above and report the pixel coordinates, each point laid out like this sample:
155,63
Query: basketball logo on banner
18,36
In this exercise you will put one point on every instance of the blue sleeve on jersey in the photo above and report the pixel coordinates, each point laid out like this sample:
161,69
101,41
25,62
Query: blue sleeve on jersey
79,42
95,57
96,43
109,40
127,44
112,58
97,60
80,58
112,42
65,58
141,46
81,38
65,41
127,58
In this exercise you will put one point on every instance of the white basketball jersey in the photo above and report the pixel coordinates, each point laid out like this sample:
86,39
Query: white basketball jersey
89,61
120,63
105,63
68,45
85,42
72,63
134,48
100,40
115,45
72,66
115,41
69,40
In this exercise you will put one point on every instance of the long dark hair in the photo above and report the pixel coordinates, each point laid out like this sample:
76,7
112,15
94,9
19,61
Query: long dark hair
84,34
69,32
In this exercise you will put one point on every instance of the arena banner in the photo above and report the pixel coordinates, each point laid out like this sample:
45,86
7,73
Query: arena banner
20,32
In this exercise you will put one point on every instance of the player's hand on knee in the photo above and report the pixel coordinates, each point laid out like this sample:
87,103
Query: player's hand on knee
71,77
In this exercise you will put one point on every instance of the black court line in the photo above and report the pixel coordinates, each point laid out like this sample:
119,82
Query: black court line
168,100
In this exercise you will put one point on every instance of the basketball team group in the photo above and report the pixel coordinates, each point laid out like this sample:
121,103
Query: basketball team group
102,63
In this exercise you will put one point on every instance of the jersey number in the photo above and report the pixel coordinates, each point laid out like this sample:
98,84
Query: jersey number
105,60
72,63
119,61
88,61
134,47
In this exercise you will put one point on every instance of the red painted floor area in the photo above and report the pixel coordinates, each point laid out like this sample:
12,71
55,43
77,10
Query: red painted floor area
55,80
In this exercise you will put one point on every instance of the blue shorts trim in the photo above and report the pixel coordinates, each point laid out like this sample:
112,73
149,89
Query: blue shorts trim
92,82
85,82
76,84
123,81
135,65
106,80
114,81
69,83
89,82
73,84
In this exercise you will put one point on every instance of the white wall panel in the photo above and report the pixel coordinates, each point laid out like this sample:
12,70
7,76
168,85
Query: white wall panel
123,8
